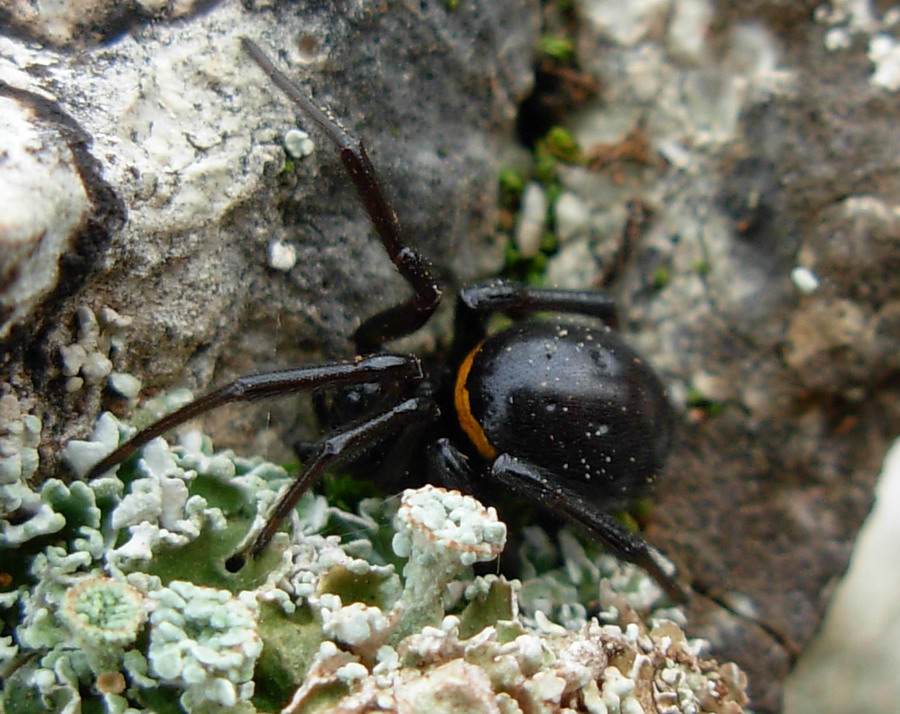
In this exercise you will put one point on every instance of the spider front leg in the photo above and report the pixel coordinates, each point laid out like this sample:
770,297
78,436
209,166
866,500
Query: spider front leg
449,466
340,447
410,315
336,449
375,369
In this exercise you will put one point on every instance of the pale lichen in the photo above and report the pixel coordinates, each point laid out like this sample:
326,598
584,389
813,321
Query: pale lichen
440,532
298,143
205,641
848,20
127,596
600,668
20,435
86,361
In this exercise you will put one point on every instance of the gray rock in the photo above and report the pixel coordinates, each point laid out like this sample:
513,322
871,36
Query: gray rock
777,153
181,207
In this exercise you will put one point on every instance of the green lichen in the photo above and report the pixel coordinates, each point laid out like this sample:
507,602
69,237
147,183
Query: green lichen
440,533
102,611
125,606
205,641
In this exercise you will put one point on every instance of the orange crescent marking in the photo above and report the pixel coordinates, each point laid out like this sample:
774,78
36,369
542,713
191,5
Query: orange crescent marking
467,420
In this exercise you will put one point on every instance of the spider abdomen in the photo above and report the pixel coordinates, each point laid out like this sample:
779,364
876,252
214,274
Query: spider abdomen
572,399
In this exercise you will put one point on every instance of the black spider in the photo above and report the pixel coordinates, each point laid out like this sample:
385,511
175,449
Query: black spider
556,411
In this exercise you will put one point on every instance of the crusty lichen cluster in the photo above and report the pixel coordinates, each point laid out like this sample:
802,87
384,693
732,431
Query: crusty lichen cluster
116,598
508,667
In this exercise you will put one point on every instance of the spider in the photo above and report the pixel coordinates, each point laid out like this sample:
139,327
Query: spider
558,411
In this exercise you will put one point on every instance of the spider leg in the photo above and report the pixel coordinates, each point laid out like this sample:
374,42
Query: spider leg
477,302
377,368
393,471
532,482
338,448
304,448
450,466
410,315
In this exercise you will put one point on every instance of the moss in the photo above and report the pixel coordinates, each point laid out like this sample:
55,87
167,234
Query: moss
377,587
696,400
202,561
488,606
557,47
291,643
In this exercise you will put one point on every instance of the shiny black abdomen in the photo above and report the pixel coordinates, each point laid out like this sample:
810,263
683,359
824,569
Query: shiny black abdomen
574,400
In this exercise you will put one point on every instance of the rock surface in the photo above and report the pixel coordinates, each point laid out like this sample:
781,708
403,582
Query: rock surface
771,133
183,218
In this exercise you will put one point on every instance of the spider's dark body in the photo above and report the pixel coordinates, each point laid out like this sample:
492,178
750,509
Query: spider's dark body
558,411
569,398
